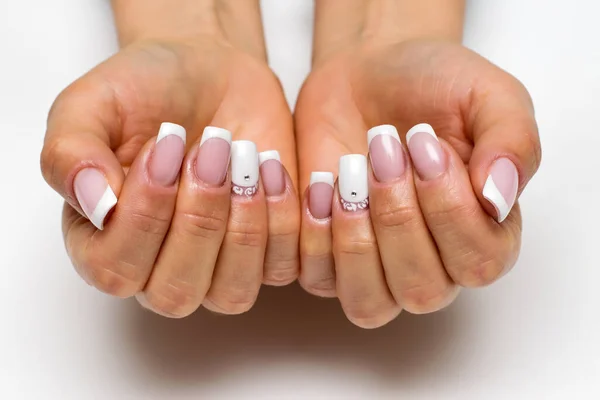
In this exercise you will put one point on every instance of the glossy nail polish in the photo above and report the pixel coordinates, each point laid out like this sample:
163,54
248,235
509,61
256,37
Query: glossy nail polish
169,150
244,168
95,196
320,194
271,172
501,187
386,153
213,157
426,153
353,182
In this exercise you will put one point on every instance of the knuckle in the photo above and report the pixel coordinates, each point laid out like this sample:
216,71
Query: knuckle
147,221
354,247
231,301
281,272
370,315
394,217
248,236
116,278
53,151
281,259
450,213
428,297
200,225
173,298
322,286
480,269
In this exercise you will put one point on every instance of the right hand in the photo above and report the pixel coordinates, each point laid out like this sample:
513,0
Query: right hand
177,238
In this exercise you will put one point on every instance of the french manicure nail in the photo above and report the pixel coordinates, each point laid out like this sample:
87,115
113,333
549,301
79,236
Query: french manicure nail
168,154
386,154
426,152
501,187
94,195
353,182
213,157
244,168
271,172
320,194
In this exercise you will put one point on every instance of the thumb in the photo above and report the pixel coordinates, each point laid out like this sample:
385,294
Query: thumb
507,150
77,160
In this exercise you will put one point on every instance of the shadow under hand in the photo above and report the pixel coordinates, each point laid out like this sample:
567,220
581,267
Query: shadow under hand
288,325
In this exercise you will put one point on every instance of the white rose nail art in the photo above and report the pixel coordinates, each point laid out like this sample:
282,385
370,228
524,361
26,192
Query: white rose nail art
244,168
353,182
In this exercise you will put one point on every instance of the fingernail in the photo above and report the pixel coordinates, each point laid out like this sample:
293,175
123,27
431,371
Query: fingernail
244,168
387,156
353,185
271,172
501,187
426,152
213,156
168,154
320,194
94,195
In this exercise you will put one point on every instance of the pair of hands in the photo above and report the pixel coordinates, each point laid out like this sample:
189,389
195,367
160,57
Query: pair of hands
179,238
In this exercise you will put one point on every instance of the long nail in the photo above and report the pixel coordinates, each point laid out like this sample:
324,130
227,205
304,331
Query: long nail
244,168
271,172
387,156
94,195
426,152
501,187
213,157
353,184
168,154
320,194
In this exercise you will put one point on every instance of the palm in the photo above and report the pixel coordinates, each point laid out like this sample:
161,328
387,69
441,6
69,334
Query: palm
401,84
199,85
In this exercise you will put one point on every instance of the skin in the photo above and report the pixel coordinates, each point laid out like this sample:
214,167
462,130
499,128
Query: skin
177,64
401,63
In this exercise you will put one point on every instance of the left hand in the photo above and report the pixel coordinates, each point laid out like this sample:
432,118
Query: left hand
430,228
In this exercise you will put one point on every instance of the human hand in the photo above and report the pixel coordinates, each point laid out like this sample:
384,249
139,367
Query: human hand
430,227
177,237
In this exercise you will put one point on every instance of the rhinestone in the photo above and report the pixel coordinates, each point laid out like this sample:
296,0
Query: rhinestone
353,194
246,177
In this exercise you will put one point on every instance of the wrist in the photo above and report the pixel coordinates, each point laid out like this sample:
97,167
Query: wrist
237,23
339,26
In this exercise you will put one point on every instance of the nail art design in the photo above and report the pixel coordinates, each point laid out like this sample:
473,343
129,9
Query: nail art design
320,194
244,168
353,182
428,156
95,196
169,151
501,187
214,156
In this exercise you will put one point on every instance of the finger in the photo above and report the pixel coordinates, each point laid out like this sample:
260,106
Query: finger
507,151
119,259
183,270
360,280
239,270
413,269
475,249
281,258
82,126
317,273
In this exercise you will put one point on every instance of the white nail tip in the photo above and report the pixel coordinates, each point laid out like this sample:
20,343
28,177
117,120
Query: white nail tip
268,155
353,181
106,203
244,163
388,130
426,128
321,177
214,132
493,195
167,128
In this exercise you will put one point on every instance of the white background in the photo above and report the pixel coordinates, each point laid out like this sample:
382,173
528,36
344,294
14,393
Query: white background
534,335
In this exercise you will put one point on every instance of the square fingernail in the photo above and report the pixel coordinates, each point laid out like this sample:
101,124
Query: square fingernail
320,194
386,153
213,157
353,182
244,168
